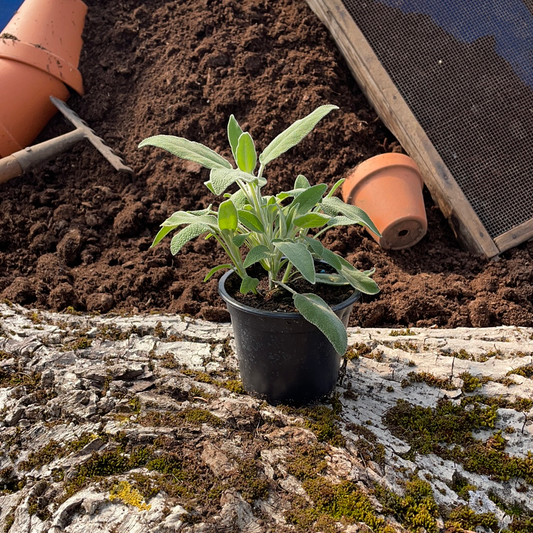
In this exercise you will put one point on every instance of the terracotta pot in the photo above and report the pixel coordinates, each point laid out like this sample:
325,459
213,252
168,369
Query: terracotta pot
39,57
388,188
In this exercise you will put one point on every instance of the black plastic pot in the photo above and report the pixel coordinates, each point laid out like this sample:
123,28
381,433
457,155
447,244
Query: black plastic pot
282,357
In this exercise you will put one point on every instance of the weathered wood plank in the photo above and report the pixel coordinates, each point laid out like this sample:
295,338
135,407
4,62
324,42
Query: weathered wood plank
517,235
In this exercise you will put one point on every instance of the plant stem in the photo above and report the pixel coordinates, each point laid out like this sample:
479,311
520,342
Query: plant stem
287,274
286,287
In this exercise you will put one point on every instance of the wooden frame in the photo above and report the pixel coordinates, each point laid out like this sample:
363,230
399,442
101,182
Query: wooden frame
398,117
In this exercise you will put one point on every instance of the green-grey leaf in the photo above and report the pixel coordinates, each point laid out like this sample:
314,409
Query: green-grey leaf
306,200
238,240
189,217
333,206
283,195
294,134
163,232
258,253
248,284
190,150
317,311
311,220
239,199
234,132
298,254
359,280
323,253
185,235
221,179
227,216
336,185
341,221
215,270
251,221
331,279
246,154
315,245
301,182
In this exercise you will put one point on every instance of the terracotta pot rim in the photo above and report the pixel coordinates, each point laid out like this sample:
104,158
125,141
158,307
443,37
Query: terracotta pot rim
43,60
366,170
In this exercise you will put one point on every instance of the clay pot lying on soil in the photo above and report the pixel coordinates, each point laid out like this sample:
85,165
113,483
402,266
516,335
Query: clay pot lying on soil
388,187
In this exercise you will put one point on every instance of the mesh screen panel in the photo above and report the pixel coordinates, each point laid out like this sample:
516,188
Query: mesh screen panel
465,69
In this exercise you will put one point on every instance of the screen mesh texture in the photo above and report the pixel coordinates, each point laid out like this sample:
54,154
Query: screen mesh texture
465,69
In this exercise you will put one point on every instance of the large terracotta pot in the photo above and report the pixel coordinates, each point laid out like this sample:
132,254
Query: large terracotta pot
388,187
39,56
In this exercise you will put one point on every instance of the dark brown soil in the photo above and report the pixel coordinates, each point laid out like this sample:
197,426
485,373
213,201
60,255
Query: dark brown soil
73,232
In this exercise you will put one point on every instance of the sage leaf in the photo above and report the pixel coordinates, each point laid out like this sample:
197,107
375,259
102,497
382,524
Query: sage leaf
331,258
221,179
315,245
215,270
250,221
331,279
238,240
306,200
333,206
359,280
163,232
315,310
248,284
227,216
234,132
257,253
311,220
185,235
298,254
340,221
239,199
187,217
246,155
189,150
294,134
301,182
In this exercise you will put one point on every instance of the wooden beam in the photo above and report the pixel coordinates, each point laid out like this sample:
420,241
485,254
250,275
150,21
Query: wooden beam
514,237
398,117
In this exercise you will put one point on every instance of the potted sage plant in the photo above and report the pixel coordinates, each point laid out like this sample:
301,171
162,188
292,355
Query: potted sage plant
273,246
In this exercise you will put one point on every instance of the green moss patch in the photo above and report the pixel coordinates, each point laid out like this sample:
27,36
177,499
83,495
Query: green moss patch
416,510
367,444
173,418
402,333
525,371
16,378
344,502
464,519
519,404
321,420
429,379
307,462
233,385
447,430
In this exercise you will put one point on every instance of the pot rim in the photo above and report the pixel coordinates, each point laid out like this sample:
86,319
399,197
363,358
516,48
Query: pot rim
366,170
283,314
42,60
